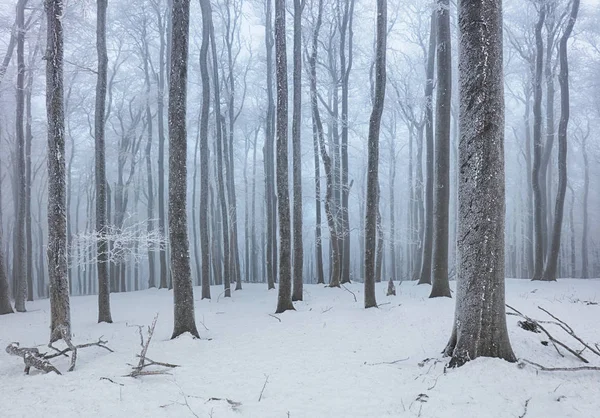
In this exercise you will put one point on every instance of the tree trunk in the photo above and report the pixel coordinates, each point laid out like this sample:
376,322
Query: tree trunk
550,273
28,179
284,299
480,320
57,221
372,198
586,189
183,291
538,216
441,205
426,260
297,155
161,151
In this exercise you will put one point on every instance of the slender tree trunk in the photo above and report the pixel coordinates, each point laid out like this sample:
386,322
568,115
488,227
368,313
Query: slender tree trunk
254,252
183,291
161,151
380,248
57,221
550,273
297,152
538,218
28,181
428,235
586,188
480,320
441,205
5,306
284,299
372,198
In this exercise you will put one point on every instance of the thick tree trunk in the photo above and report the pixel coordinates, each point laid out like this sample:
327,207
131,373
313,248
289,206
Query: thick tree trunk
550,273
372,198
538,216
183,291
297,153
60,326
425,277
441,205
284,299
480,320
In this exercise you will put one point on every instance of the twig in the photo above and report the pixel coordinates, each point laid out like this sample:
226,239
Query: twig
149,362
386,303
279,319
561,369
112,381
525,411
202,322
327,310
570,331
264,386
99,343
386,362
348,290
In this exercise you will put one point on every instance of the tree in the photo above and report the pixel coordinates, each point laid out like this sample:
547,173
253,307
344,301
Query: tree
550,272
100,163
372,199
297,149
5,306
60,326
20,267
183,291
480,320
284,299
586,191
441,203
204,186
425,276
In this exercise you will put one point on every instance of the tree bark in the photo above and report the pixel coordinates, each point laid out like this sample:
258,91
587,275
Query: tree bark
372,198
284,299
441,205
183,291
550,273
60,326
586,188
480,320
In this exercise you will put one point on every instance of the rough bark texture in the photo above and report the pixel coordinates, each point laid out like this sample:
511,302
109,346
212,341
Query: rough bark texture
441,204
183,292
297,157
20,255
480,321
60,322
100,171
372,198
5,306
550,273
538,218
284,299
204,186
425,277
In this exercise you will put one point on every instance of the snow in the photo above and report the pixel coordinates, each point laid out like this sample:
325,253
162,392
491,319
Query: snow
318,359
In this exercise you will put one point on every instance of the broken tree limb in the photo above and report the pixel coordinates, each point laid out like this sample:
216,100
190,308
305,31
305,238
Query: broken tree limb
31,358
144,360
100,343
561,369
567,328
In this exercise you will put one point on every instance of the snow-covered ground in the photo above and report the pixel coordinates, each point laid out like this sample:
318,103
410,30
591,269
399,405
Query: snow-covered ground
321,361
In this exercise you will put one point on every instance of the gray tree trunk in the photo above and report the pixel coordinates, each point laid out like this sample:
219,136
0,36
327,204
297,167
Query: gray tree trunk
538,216
183,291
297,152
284,299
586,189
372,198
425,277
441,204
60,325
550,273
480,320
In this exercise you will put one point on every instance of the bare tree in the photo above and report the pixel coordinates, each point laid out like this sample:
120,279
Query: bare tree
284,299
480,320
60,326
550,271
183,291
372,199
441,286
5,306
100,172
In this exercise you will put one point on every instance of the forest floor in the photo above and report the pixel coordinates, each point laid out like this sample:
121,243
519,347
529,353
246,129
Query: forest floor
330,358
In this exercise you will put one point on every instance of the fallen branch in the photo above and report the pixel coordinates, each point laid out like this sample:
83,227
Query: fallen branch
570,331
561,369
99,343
264,386
277,318
144,360
31,358
112,381
348,290
525,411
386,362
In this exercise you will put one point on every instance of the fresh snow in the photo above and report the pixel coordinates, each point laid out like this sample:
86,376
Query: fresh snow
319,360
